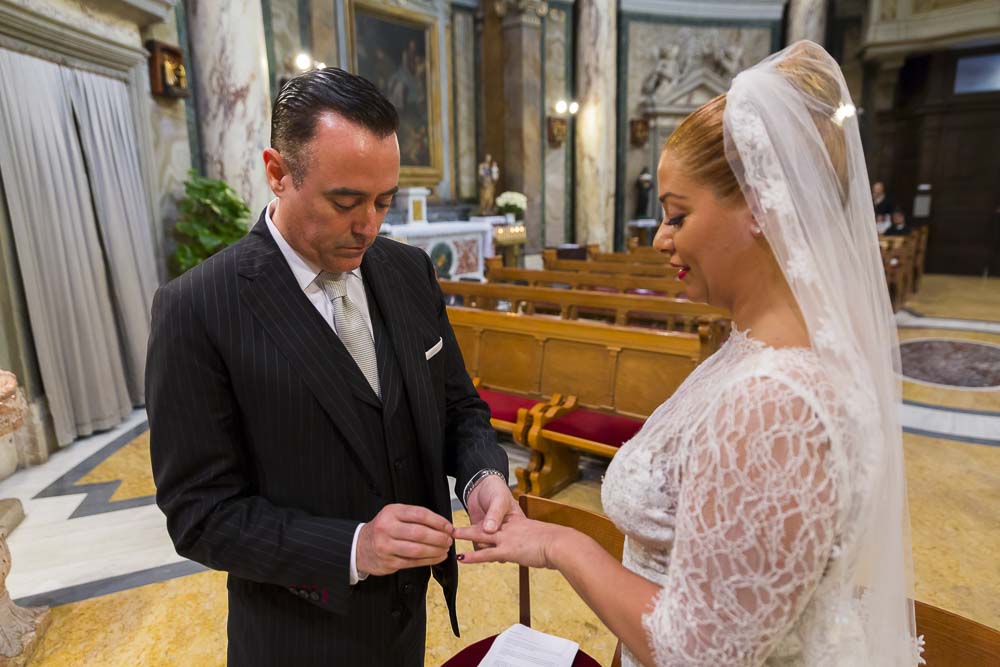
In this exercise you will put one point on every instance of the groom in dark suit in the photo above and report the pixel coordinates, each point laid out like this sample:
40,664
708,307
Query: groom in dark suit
307,399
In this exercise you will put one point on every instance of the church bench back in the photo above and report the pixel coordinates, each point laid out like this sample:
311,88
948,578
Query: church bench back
620,309
497,273
622,370
645,255
660,270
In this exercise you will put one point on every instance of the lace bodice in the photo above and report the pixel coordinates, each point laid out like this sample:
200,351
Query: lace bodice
734,498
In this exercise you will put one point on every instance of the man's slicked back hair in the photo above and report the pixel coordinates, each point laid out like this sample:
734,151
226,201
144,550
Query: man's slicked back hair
306,97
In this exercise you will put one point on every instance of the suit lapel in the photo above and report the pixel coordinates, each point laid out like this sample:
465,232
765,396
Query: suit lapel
400,319
270,291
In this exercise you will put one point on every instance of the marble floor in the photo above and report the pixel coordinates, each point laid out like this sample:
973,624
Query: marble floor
94,546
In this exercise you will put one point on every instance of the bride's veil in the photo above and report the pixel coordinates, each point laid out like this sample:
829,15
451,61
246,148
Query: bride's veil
791,136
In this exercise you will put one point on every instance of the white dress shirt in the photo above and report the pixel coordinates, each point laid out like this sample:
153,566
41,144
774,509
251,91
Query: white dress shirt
306,273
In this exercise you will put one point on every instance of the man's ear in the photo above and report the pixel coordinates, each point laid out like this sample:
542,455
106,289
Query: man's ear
277,171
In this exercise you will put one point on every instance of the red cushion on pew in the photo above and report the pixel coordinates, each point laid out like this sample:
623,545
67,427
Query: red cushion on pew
504,406
606,429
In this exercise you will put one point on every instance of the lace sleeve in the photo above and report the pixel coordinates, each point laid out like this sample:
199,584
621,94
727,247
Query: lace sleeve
755,526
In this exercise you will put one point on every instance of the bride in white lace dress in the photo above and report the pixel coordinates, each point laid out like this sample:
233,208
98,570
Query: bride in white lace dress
764,502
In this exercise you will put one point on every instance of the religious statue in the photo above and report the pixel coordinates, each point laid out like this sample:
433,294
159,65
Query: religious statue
21,628
667,70
643,190
489,174
731,59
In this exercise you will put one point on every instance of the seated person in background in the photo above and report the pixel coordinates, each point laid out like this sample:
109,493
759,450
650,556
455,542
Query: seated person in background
898,226
882,202
882,224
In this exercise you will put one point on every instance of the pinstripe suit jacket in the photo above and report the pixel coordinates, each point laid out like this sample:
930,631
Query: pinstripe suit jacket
261,465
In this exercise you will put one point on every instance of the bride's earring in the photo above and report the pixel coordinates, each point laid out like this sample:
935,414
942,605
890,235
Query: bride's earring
755,228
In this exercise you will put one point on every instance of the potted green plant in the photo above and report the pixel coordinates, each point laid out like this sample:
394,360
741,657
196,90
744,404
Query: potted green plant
213,216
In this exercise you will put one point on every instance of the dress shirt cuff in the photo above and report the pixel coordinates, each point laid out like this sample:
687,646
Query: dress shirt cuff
355,575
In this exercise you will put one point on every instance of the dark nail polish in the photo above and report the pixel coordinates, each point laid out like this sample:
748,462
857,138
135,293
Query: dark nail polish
459,556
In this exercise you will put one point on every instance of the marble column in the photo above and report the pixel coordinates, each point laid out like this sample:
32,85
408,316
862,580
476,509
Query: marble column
234,98
464,37
323,23
807,20
522,86
595,122
556,159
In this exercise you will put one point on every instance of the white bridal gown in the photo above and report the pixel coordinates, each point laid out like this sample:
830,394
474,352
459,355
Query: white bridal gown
738,497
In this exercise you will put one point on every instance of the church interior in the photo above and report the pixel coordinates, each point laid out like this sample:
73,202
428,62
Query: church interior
131,135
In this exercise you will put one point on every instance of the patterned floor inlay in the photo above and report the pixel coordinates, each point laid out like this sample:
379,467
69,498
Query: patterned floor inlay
950,362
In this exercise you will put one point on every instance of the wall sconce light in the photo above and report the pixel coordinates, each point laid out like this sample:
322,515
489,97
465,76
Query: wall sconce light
638,131
303,62
558,125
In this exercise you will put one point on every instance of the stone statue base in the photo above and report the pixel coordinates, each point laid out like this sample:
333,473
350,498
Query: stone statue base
21,630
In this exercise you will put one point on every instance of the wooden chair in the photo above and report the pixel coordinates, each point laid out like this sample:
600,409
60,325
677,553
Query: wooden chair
599,527
920,257
951,640
897,260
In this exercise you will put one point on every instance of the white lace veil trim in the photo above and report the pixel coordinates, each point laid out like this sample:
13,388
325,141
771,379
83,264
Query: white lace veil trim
821,229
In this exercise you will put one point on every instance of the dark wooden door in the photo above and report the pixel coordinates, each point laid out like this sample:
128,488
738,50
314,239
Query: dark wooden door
965,223
951,142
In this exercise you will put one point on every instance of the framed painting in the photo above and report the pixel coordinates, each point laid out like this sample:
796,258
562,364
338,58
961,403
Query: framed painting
397,50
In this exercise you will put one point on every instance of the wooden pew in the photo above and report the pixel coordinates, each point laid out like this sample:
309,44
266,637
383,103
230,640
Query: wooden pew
648,255
645,252
609,379
920,256
553,263
496,272
619,309
897,259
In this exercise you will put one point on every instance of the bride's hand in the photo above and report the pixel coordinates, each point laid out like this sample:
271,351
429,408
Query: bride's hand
519,540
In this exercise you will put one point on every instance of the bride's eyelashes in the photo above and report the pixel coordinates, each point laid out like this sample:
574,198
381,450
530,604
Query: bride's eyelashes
677,220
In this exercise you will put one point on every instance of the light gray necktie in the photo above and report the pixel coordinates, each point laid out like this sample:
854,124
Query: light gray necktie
352,328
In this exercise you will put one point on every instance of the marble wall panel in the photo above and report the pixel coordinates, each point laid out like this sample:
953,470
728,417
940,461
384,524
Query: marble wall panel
556,88
234,105
171,149
285,32
323,23
465,103
596,80
807,20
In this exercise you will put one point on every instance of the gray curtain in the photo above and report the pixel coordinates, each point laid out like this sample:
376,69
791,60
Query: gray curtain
109,147
81,355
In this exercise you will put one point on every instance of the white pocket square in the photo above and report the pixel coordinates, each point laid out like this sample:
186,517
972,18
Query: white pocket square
434,349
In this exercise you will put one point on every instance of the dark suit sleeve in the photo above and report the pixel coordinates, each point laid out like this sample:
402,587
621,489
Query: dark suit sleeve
470,441
203,478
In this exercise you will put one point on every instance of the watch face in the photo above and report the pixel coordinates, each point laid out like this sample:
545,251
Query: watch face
443,258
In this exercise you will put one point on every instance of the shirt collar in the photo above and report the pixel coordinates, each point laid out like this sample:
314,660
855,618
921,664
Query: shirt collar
305,272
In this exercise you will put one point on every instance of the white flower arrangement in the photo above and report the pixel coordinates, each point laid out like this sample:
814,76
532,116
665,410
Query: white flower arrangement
512,202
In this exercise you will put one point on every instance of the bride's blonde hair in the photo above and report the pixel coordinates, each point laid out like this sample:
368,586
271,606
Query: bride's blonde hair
698,143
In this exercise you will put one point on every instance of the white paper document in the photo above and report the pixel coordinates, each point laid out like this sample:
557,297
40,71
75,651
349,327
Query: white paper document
520,646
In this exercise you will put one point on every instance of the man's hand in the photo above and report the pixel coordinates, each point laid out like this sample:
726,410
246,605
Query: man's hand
400,537
490,502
